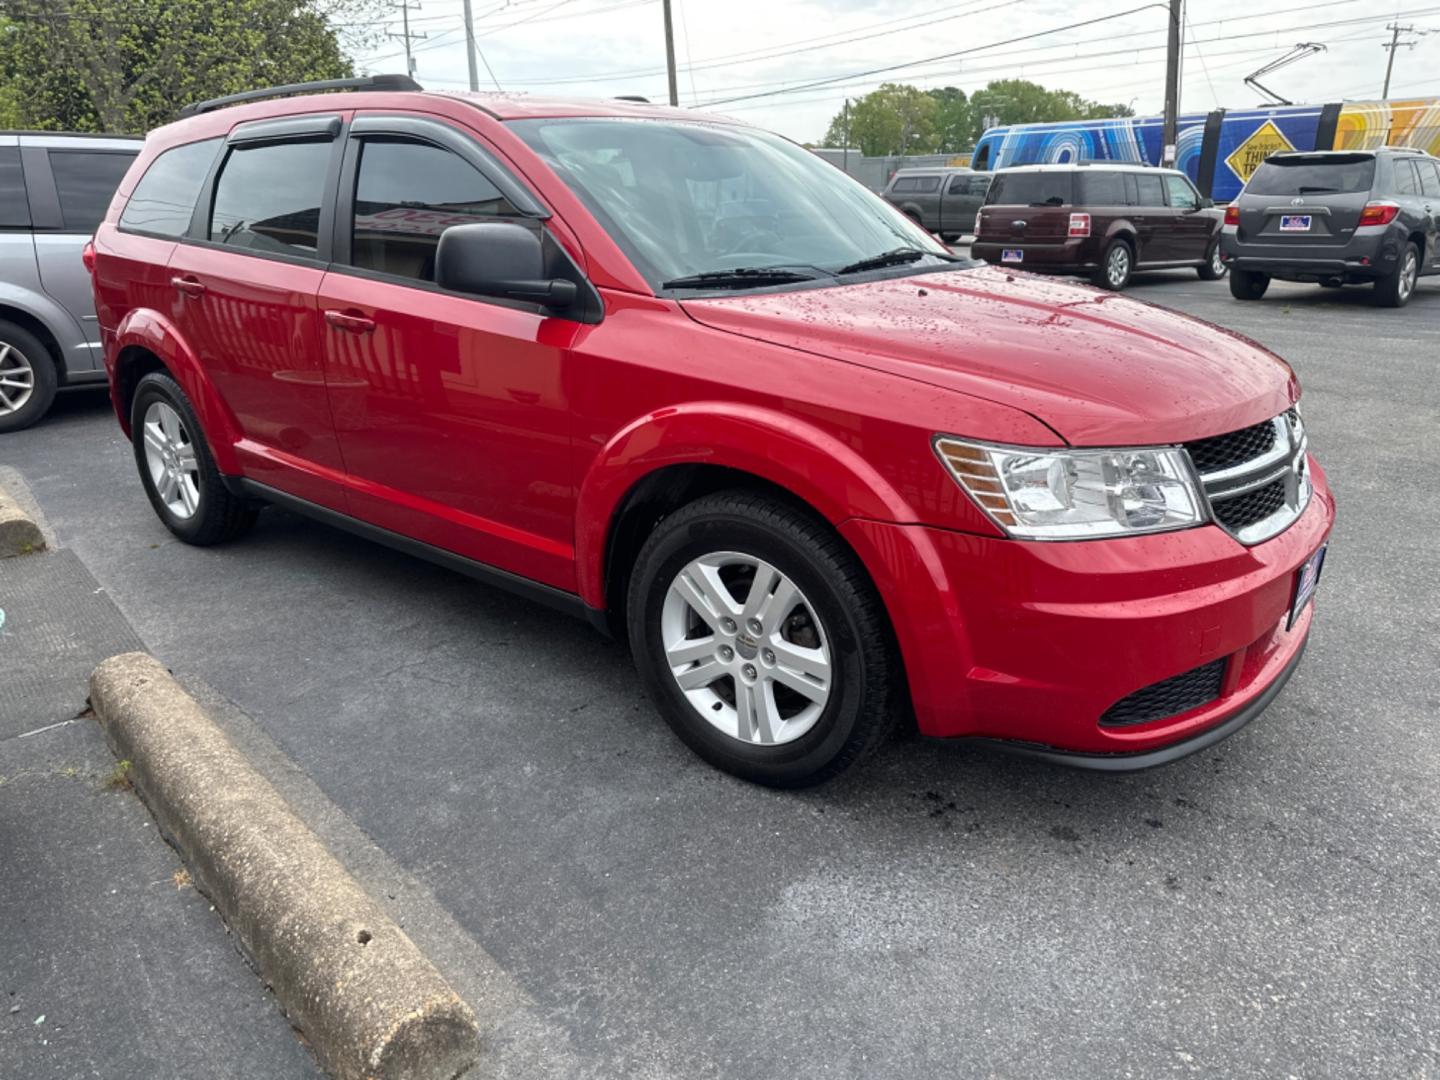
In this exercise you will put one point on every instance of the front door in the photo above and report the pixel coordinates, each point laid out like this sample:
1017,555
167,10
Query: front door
1189,228
1151,216
453,411
244,299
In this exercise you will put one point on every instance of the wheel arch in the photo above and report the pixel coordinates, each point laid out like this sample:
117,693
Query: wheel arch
146,341
664,460
31,322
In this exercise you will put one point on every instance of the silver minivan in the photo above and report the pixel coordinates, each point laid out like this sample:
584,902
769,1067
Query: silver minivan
54,191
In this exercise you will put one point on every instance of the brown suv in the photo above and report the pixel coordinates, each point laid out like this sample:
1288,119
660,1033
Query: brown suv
1105,221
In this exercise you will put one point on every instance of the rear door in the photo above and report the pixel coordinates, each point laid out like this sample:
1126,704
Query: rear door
70,183
963,195
244,293
1430,198
1307,201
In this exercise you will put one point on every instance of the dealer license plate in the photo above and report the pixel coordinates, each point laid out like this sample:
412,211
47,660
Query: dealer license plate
1295,222
1306,578
1012,255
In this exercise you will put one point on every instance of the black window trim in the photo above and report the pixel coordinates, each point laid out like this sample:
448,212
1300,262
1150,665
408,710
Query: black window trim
588,308
199,232
24,200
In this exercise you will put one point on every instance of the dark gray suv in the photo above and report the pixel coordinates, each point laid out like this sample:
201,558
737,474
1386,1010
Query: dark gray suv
1338,217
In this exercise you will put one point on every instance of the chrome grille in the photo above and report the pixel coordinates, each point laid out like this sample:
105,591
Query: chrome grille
1255,479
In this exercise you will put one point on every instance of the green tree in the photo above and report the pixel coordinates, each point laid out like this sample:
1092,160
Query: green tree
895,119
129,65
953,121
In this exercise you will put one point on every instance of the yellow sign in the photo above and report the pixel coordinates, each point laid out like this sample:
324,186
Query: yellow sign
1265,140
960,162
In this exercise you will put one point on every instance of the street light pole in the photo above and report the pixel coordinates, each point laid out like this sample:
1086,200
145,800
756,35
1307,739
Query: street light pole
670,55
1171,133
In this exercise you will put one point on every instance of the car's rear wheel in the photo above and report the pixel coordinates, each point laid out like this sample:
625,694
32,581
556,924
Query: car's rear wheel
27,378
1395,289
1116,266
1214,267
1248,285
177,469
762,641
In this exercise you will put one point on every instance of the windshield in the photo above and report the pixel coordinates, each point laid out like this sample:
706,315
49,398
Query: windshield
1313,176
1029,189
683,199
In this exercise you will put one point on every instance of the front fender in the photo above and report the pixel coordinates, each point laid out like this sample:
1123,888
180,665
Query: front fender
785,450
144,329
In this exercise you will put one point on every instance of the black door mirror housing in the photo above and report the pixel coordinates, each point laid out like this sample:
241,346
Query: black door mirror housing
1207,204
499,259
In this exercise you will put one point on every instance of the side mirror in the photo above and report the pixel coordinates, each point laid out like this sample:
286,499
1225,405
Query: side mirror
1207,204
499,259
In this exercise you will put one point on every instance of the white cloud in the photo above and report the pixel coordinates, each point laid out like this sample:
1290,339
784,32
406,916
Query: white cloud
590,48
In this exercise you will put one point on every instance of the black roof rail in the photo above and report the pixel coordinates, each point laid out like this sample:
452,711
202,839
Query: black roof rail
632,97
364,82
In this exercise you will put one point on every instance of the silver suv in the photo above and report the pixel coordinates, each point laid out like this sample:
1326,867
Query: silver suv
54,190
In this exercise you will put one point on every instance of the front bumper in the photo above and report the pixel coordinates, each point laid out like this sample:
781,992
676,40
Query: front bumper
1032,642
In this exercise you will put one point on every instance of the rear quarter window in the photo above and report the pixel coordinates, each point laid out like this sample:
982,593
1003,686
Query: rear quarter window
14,207
1347,175
86,182
1030,189
164,199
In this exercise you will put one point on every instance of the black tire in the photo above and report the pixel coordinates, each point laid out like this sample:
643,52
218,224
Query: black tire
1395,289
42,380
867,682
1248,285
218,515
1212,269
1116,265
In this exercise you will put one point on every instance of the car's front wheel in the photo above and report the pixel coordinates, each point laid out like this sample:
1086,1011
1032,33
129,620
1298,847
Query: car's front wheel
1248,285
762,641
27,378
1213,268
1116,266
1395,289
177,469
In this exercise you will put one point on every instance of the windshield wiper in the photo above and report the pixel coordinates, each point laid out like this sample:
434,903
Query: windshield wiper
744,277
894,257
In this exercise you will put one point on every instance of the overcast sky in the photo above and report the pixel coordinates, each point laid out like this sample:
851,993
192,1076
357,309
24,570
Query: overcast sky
729,49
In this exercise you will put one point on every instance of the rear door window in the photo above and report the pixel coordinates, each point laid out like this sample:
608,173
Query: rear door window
164,200
86,182
406,195
1340,174
1407,180
14,207
1030,189
1429,177
1101,188
1149,191
268,198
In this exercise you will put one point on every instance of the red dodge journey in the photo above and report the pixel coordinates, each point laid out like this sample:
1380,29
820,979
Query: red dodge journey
683,378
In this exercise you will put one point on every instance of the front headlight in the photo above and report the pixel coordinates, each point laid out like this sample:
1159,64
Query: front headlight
1075,494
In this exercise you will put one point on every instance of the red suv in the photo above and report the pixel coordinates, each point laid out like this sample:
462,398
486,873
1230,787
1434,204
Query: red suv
682,377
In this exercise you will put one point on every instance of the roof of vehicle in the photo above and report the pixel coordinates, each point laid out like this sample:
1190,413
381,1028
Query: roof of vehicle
1086,166
1374,151
921,170
32,136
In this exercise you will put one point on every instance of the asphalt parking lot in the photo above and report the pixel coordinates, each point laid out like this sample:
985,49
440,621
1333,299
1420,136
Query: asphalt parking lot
1270,908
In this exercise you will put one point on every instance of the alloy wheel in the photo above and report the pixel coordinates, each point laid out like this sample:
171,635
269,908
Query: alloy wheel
170,457
746,648
1217,264
1117,267
1409,271
17,379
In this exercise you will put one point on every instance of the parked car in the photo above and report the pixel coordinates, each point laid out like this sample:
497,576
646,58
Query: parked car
1337,218
944,201
1104,221
681,377
54,189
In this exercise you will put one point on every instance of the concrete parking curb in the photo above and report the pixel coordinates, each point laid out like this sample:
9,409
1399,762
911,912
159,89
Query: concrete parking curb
348,977
19,535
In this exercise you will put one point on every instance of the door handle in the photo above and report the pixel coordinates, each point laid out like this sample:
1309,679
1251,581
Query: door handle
349,321
188,286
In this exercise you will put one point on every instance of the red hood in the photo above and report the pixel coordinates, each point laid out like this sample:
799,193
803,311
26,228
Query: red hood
1101,369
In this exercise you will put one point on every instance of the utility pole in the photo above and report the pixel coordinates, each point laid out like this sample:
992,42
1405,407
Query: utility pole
670,55
470,46
845,154
406,36
1391,46
1171,133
